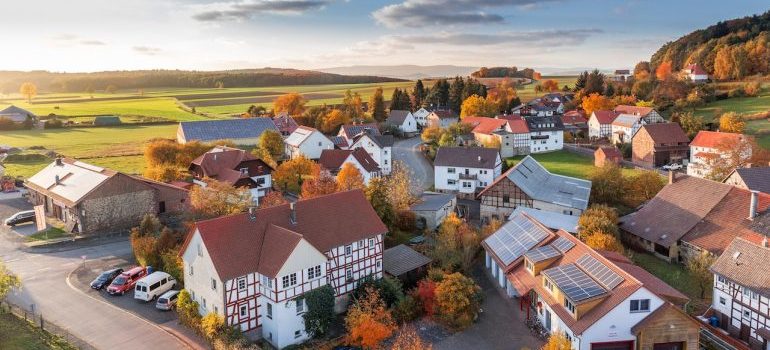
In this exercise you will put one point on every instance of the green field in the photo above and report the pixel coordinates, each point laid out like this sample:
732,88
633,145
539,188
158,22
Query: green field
17,334
744,106
565,163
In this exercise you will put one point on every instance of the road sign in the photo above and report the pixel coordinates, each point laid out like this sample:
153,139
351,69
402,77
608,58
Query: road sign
40,217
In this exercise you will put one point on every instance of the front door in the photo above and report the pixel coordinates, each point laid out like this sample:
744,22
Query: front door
548,320
668,346
745,333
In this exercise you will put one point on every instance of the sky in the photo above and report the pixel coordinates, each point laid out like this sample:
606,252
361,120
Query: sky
97,35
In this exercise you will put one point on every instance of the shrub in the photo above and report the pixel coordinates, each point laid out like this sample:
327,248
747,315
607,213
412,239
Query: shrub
406,220
187,309
426,294
54,124
457,301
737,92
320,311
752,88
389,289
407,309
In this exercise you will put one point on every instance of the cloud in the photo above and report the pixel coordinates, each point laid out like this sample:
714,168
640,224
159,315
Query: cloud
423,13
537,39
72,40
246,9
147,50
92,42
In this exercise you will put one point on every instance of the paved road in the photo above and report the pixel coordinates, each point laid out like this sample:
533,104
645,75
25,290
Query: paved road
408,152
45,284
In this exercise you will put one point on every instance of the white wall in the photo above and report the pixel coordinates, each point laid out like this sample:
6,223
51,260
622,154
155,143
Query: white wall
616,324
383,156
554,142
409,124
199,283
484,177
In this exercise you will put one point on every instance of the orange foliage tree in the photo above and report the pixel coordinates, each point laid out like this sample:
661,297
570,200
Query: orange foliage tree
332,121
349,178
457,301
426,292
550,85
596,102
537,76
368,321
290,174
557,341
663,71
320,185
292,103
272,199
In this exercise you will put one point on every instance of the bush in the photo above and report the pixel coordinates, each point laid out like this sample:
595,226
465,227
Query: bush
737,92
54,124
752,89
407,309
389,289
457,301
26,157
320,311
187,309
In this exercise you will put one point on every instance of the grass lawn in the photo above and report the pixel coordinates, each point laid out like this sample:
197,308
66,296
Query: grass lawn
674,275
49,233
527,92
746,106
17,334
565,163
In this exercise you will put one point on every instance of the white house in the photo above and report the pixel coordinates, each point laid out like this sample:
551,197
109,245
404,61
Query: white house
546,134
402,119
708,145
332,160
235,167
509,133
442,118
293,249
597,301
695,73
624,127
465,170
379,147
421,117
600,124
308,142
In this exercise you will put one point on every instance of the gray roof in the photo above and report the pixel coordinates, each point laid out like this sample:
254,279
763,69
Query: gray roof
382,141
212,130
432,201
547,123
756,179
467,157
552,220
397,117
741,263
16,114
402,259
540,184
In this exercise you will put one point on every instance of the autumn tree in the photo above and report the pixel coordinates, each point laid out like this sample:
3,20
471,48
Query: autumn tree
333,120
663,71
28,90
691,124
377,194
550,85
352,105
537,76
400,186
457,301
607,184
8,281
377,105
491,227
408,339
604,241
732,122
218,199
557,341
642,70
290,174
476,105
426,294
731,153
167,160
504,96
349,178
596,102
598,218
641,187
456,244
271,142
320,185
272,199
368,321
698,265
292,103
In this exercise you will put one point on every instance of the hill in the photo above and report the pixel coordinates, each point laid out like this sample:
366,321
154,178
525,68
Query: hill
411,72
728,50
504,72
143,79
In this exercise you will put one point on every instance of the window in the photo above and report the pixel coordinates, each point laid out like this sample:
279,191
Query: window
297,334
191,270
722,301
506,198
451,182
216,310
348,249
200,250
451,170
349,274
269,311
569,306
243,311
319,144
466,184
267,281
300,305
379,263
747,313
242,284
721,279
640,305
289,280
204,302
548,285
528,265
314,272
371,242
213,284
361,243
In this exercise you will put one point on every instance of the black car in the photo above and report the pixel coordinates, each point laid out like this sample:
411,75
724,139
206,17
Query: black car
105,278
20,218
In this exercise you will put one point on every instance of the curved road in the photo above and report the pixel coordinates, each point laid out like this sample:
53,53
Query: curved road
408,152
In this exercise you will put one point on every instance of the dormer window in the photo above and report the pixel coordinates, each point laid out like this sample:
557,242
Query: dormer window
528,265
569,306
548,285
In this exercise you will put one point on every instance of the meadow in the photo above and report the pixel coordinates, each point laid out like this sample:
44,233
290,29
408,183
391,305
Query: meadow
744,106
566,163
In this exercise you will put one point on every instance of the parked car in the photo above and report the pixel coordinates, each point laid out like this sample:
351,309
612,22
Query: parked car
153,285
20,218
167,301
126,280
105,278
674,166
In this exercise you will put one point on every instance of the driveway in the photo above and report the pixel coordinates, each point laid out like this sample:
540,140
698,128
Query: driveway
408,152
47,289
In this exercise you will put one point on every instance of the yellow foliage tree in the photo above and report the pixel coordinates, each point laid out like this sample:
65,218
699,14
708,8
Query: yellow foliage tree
457,301
604,241
290,174
333,120
212,325
476,105
349,178
557,341
218,199
550,85
291,103
732,122
28,90
320,185
596,102
368,321
408,339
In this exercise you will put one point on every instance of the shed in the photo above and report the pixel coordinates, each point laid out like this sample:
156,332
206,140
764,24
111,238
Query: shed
602,155
434,207
405,263
107,120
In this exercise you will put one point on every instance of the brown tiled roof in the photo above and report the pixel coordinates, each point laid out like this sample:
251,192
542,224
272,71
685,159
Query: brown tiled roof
574,117
610,152
467,157
285,123
605,117
695,69
279,242
237,243
712,139
518,125
523,281
397,116
333,159
351,130
221,158
666,133
642,111
445,114
742,263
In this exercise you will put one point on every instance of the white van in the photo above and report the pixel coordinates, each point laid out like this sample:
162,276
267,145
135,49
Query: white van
153,285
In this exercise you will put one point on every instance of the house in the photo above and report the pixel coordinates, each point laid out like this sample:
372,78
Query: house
600,124
244,131
691,216
17,115
546,134
405,263
621,75
421,117
529,184
708,146
554,221
379,147
235,167
742,291
624,127
575,122
648,114
655,145
332,160
291,249
91,199
695,73
433,208
508,133
349,131
605,155
465,170
285,124
307,142
576,291
403,120
751,178
442,118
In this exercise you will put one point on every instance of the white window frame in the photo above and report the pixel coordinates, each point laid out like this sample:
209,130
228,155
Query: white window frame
269,310
348,250
639,307
242,280
241,309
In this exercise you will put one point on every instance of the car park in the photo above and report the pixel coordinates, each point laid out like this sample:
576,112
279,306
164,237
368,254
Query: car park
126,280
167,301
153,285
105,278
20,218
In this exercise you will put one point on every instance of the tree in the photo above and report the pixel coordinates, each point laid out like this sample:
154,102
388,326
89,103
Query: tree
663,71
377,194
187,309
426,293
320,185
557,340
272,199
550,85
400,187
730,154
368,321
408,339
490,228
292,103
607,184
594,83
272,142
388,288
596,102
333,120
218,199
212,325
456,244
598,218
642,70
537,76
398,99
349,178
111,89
8,281
418,94
377,105
28,90
698,265
642,187
691,124
290,174
476,105
732,122
642,89
604,241
320,311
457,301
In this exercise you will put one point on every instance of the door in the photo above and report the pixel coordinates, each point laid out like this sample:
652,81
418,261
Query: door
745,333
620,345
548,320
668,346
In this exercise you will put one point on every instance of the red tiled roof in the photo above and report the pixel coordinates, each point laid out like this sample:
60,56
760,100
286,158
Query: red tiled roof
626,109
285,123
518,126
605,117
484,125
654,284
220,158
574,117
712,139
610,152
695,69
238,244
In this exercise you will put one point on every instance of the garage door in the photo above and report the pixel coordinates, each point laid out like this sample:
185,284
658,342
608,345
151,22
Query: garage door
668,346
621,345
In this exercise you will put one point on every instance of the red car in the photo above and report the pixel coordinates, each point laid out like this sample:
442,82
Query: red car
126,280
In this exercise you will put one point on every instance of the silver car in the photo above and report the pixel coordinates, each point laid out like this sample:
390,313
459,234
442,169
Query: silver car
167,301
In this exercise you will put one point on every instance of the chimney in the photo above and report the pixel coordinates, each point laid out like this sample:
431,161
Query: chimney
293,214
57,179
753,205
748,165
215,157
252,213
764,242
479,159
59,162
671,177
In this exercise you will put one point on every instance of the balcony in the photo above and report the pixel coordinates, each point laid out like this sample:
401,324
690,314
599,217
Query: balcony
468,177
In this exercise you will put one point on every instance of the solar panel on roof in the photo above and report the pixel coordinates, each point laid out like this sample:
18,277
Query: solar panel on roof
563,244
574,283
542,253
514,238
599,271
